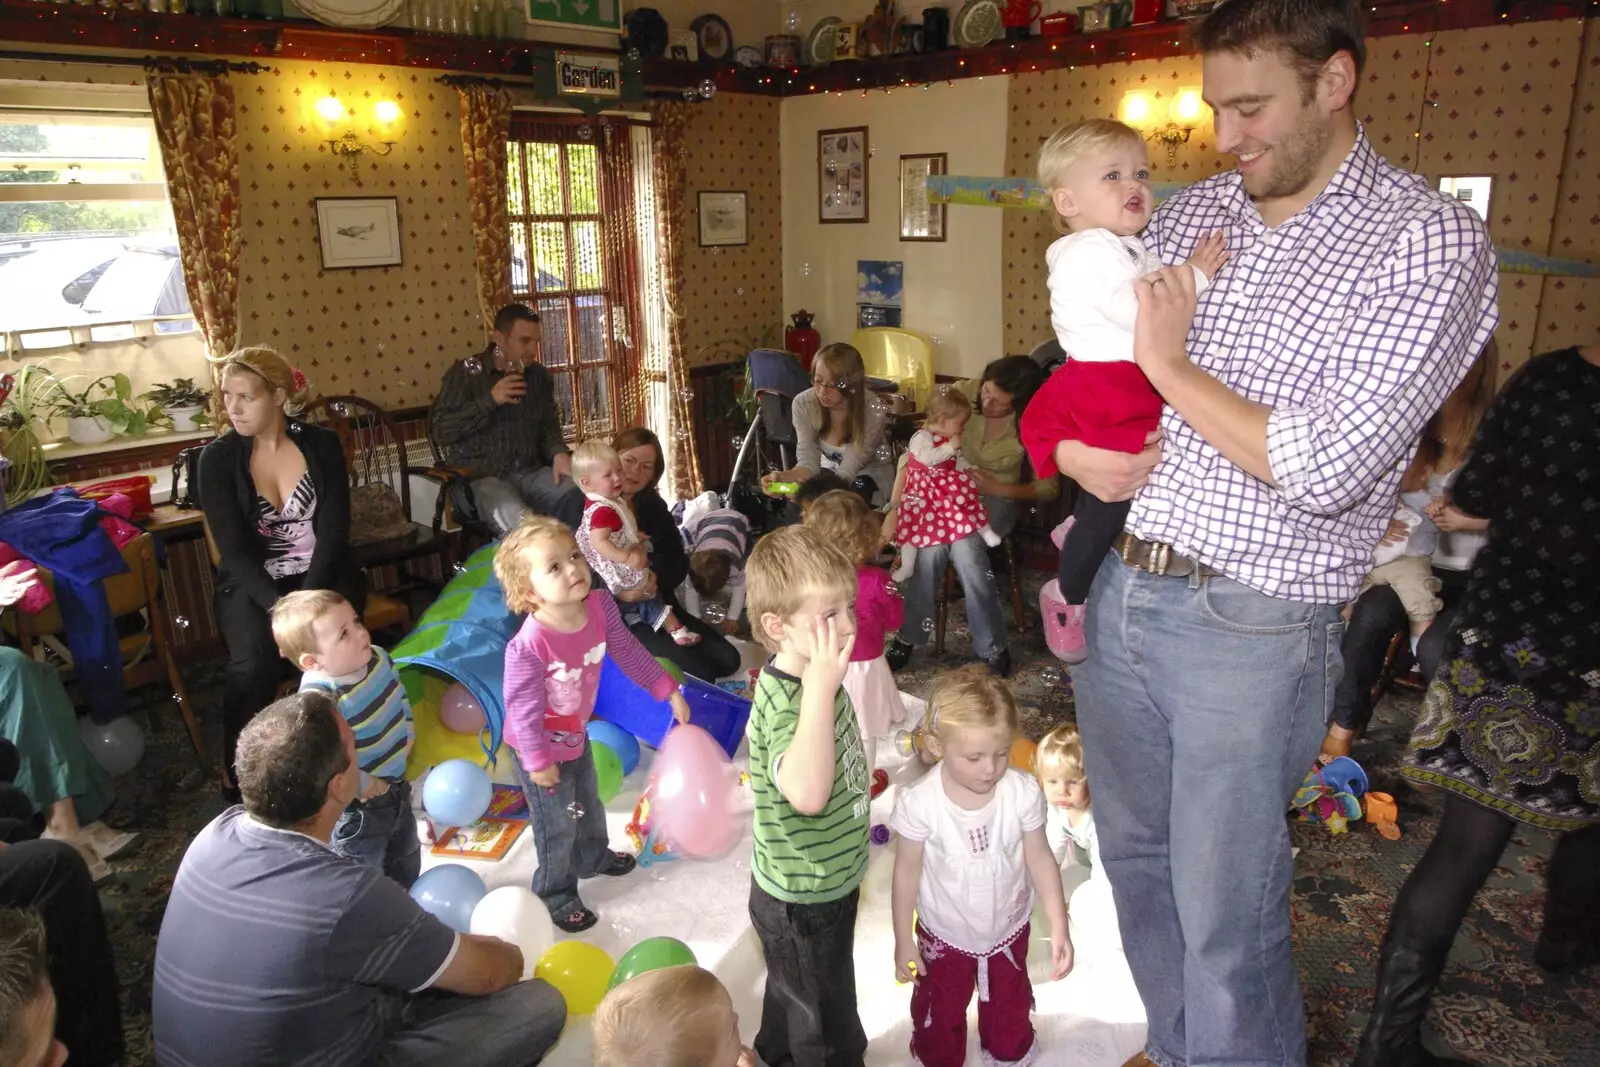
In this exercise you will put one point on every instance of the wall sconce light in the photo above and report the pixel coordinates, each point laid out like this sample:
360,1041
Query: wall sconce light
1184,113
334,120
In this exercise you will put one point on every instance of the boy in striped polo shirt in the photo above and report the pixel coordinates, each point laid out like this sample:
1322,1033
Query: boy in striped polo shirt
719,542
320,633
809,773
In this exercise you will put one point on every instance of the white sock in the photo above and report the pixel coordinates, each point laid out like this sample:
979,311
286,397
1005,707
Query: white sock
908,563
990,538
1414,639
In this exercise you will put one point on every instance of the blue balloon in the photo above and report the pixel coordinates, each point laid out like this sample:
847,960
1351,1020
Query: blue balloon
456,792
618,740
449,892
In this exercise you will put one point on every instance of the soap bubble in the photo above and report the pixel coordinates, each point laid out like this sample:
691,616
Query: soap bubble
883,453
472,365
739,291
686,394
181,622
575,811
680,434
791,22
805,269
1050,676
713,613
927,626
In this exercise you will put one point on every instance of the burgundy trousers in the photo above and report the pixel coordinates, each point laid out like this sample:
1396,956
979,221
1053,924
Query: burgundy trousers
939,1002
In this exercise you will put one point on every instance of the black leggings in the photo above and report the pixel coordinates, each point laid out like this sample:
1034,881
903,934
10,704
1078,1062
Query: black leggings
1095,524
1428,912
1374,621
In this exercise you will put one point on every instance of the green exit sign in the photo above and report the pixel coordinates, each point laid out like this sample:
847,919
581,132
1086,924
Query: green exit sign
591,14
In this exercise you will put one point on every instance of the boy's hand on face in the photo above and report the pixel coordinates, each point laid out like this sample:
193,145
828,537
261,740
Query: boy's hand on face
827,657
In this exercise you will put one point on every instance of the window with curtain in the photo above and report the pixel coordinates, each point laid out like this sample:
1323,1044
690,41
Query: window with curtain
574,259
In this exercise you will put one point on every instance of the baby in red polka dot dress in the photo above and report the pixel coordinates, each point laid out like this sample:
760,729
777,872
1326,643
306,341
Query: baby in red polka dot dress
938,501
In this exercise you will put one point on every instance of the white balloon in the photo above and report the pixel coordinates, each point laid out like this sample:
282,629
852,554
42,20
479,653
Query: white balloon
514,915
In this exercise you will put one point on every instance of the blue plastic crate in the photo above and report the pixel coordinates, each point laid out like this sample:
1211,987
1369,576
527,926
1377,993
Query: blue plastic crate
716,711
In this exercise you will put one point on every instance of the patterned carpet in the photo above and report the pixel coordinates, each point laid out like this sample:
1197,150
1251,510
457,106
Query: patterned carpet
1494,1005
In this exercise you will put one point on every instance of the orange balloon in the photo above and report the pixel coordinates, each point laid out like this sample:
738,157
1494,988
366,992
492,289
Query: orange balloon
1022,751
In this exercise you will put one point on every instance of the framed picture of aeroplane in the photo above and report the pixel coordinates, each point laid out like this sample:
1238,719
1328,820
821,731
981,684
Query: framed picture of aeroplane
358,231
723,218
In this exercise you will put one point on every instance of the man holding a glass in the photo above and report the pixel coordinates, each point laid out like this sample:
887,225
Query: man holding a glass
496,418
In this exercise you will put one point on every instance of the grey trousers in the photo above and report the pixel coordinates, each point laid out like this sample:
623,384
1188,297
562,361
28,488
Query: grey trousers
512,1028
502,502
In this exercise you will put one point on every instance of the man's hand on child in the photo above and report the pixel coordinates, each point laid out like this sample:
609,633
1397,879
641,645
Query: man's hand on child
1167,299
827,658
908,965
1210,254
548,778
680,706
1060,954
1108,474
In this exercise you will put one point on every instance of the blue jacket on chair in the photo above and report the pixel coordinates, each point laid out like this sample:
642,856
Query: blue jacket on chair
61,533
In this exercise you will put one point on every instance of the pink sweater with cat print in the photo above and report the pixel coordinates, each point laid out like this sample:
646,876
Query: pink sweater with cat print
551,678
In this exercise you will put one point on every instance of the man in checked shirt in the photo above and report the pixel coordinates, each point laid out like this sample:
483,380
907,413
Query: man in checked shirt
1355,299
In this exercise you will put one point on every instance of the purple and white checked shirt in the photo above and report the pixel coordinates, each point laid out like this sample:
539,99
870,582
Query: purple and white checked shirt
1354,319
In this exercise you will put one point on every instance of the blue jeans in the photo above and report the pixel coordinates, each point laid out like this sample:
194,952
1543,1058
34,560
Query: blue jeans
1202,706
970,556
382,832
569,833
642,612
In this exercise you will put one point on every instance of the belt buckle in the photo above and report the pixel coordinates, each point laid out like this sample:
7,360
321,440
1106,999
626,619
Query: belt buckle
1160,558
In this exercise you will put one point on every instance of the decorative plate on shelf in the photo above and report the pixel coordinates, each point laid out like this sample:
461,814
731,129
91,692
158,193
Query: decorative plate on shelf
747,56
352,14
976,24
820,43
716,40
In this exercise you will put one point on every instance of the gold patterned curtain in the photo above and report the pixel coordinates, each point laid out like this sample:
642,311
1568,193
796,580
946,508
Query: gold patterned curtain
619,257
194,119
669,154
485,129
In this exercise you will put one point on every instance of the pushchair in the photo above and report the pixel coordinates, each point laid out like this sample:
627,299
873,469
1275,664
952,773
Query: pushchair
776,378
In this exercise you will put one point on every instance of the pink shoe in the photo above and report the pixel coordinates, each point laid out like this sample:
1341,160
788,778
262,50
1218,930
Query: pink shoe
1059,534
1063,625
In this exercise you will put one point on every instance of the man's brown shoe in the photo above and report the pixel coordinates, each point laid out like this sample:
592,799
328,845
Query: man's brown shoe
1140,1060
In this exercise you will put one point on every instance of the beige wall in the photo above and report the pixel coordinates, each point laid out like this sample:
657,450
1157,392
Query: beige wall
951,292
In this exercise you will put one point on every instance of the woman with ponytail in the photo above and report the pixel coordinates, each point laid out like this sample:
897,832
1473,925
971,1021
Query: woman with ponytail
276,497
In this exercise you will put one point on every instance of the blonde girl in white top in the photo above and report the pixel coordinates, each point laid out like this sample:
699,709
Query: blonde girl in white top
970,855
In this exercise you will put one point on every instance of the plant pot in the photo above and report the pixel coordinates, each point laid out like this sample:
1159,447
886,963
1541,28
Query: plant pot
89,430
183,419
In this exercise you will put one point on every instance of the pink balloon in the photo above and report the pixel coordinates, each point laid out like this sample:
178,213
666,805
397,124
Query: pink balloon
460,711
696,790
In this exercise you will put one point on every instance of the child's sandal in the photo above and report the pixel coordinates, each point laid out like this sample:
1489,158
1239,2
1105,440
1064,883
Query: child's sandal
684,636
578,921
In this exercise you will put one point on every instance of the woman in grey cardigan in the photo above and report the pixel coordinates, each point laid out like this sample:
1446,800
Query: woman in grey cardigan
836,430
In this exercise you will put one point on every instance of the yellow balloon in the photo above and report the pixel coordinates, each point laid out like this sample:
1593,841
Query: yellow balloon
1022,751
579,971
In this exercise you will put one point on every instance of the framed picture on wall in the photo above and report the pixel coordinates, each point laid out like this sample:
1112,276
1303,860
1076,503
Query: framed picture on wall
358,231
723,218
842,175
1473,190
920,220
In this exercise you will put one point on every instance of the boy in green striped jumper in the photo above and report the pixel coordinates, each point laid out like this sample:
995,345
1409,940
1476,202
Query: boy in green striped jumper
809,773
320,633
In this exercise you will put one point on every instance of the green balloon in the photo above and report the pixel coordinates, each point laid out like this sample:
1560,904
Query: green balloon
651,954
671,668
607,771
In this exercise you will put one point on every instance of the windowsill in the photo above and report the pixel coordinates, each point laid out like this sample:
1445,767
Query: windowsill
66,449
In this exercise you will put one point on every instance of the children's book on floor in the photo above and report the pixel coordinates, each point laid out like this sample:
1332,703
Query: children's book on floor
492,836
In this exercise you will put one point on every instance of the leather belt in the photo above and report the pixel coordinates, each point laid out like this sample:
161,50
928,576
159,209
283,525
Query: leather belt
1157,557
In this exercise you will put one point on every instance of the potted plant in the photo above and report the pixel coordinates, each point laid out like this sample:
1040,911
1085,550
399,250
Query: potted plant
182,403
101,410
25,407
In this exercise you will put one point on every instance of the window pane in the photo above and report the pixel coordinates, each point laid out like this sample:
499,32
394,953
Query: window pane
46,339
554,334
68,262
586,249
117,331
596,400
550,256
583,178
513,179
519,260
544,179
591,328
569,417
79,148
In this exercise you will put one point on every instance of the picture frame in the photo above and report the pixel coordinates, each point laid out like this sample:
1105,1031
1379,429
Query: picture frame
1474,190
842,159
724,218
921,220
358,231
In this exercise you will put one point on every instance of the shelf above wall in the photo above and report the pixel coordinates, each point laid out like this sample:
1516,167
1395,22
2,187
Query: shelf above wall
75,27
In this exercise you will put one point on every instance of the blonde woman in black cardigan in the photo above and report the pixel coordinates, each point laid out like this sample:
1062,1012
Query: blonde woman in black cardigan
276,497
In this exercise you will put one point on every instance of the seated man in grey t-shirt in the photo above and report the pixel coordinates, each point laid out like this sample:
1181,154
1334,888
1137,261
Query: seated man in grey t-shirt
274,950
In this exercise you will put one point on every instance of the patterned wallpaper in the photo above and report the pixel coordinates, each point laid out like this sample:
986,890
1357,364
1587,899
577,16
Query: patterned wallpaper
733,292
1504,96
386,333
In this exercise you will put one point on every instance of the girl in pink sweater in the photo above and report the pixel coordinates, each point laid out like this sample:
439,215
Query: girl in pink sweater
844,519
552,672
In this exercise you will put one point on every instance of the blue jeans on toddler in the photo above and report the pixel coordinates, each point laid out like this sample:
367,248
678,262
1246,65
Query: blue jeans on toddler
382,832
648,612
1202,706
569,832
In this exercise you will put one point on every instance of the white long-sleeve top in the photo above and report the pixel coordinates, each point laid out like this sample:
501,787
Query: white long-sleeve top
1092,300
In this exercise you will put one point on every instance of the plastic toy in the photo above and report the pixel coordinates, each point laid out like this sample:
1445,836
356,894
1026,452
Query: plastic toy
1384,814
1330,794
782,488
914,742
880,834
880,782
647,838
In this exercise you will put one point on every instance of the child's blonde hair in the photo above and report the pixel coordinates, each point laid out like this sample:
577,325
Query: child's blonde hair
590,457
786,567
1069,145
511,567
294,620
948,403
842,518
1061,750
671,1017
971,698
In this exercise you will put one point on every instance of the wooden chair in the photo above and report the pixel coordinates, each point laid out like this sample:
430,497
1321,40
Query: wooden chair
146,654
947,588
1397,657
457,508
375,455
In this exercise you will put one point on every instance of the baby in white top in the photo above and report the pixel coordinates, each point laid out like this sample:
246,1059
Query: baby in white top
1070,831
971,853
